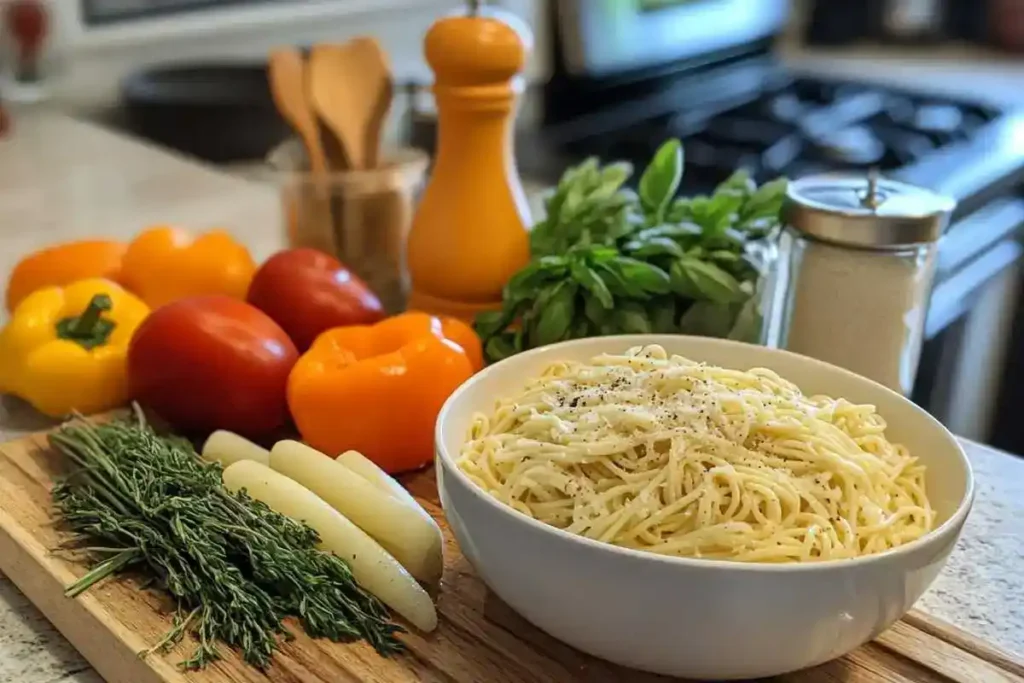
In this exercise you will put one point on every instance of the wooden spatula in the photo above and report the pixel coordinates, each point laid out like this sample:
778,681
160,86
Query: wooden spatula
351,91
288,74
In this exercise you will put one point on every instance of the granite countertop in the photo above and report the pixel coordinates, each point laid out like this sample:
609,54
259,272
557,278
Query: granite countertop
63,179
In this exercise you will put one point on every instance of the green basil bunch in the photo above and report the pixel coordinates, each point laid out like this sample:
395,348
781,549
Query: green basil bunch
608,260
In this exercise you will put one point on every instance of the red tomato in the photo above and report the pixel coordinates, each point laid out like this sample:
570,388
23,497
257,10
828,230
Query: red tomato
307,292
212,362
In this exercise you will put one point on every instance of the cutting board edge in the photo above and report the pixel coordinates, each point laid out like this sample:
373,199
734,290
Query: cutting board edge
33,569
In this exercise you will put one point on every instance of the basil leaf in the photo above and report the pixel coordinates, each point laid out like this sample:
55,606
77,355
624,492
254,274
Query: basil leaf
660,181
617,173
724,257
619,225
749,324
739,265
525,284
617,284
543,237
682,283
581,328
592,282
573,200
574,174
553,201
730,238
528,324
739,181
556,315
662,314
589,174
601,254
760,227
767,200
646,276
679,211
708,319
631,318
684,230
490,323
746,268
698,207
553,263
709,280
654,246
500,347
723,208
596,313
716,214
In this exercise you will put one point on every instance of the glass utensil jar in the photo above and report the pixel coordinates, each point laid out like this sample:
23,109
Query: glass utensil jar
857,267
360,217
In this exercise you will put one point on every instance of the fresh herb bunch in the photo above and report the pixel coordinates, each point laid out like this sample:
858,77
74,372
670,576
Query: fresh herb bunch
236,568
608,260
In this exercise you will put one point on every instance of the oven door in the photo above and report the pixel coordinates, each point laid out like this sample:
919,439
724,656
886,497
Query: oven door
971,320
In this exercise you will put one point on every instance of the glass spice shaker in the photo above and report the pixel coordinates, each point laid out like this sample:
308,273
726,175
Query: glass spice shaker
858,260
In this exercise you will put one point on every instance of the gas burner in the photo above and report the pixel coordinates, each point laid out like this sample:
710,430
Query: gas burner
796,126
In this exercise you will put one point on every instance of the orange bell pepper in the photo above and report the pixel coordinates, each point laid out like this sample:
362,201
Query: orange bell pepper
377,389
457,331
164,264
62,264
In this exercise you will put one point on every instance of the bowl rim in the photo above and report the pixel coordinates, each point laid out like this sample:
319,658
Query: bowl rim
954,522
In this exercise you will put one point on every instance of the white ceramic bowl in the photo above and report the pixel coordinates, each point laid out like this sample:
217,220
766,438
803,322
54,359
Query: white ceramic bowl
696,618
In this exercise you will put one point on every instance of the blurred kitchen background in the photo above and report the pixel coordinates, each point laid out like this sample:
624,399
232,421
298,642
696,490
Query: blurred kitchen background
929,91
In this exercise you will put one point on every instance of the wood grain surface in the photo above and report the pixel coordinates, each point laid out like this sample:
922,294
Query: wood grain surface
479,639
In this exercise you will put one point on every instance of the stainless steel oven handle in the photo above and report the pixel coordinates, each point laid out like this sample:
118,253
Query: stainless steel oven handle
969,238
952,298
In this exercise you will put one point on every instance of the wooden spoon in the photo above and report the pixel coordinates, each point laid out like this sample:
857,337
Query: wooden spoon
352,91
385,94
289,85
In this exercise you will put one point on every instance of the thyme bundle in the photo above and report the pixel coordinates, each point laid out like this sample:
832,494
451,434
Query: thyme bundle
139,500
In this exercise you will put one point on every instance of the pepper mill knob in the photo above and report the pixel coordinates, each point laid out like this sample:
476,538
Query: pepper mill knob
474,50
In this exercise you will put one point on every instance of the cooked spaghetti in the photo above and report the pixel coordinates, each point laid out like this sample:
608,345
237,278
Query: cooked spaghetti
681,458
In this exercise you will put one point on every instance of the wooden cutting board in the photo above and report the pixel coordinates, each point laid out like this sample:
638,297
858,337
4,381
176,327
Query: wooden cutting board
479,639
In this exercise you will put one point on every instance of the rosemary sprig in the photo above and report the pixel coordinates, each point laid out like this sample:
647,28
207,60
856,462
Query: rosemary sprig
235,567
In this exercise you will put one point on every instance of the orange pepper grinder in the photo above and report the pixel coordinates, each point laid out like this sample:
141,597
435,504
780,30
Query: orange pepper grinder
469,235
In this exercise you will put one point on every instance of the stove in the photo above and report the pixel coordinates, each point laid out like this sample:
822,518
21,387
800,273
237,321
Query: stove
789,126
630,74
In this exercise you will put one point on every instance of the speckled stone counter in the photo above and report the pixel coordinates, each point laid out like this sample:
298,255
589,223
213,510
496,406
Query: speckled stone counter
61,179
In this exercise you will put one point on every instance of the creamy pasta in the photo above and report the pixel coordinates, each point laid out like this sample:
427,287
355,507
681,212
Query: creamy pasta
681,458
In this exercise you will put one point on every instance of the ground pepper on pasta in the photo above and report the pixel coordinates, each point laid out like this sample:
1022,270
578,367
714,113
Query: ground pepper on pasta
675,457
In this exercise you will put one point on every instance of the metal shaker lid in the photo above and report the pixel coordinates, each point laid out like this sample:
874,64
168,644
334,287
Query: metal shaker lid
865,212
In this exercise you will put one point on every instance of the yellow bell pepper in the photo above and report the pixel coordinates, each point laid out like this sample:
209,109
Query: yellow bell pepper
65,348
